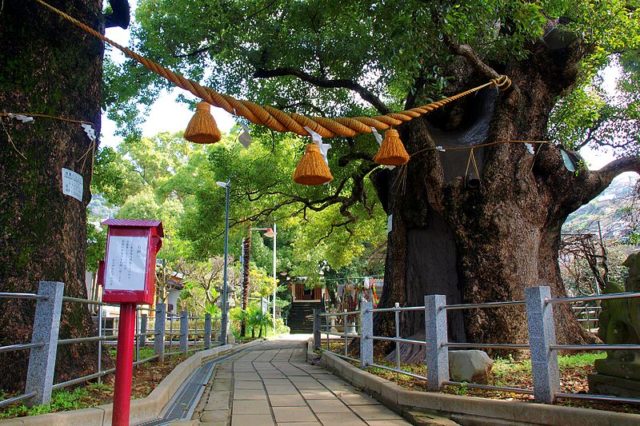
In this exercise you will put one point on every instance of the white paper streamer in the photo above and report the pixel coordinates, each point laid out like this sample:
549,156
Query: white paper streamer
530,148
22,118
90,131
317,139
245,137
377,135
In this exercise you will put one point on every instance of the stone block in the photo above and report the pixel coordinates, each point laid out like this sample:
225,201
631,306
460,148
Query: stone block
428,418
611,385
472,366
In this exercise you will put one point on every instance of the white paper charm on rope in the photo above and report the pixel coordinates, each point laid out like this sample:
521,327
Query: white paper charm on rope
389,223
377,135
72,184
568,162
440,148
317,139
22,118
245,137
90,131
530,148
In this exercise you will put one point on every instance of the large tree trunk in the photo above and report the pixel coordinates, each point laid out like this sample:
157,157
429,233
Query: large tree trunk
484,238
48,67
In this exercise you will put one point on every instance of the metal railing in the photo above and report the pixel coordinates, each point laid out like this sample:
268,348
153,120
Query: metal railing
538,306
588,315
349,322
45,343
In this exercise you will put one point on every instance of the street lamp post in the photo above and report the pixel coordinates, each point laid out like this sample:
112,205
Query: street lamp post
272,233
275,281
225,292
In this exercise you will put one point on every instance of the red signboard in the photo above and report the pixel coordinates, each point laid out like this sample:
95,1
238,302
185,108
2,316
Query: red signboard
130,261
128,274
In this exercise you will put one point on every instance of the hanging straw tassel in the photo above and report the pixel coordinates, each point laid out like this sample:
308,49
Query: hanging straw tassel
202,128
312,169
391,152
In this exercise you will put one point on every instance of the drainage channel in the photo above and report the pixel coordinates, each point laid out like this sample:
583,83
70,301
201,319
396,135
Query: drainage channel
184,402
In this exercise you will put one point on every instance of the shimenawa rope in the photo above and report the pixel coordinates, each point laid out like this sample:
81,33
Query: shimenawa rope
272,117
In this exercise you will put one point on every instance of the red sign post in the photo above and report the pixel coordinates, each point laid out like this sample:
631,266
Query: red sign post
129,279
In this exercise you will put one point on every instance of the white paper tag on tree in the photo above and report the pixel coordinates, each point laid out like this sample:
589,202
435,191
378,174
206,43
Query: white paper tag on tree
389,223
72,184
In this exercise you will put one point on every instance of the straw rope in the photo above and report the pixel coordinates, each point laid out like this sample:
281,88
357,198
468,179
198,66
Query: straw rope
53,117
274,118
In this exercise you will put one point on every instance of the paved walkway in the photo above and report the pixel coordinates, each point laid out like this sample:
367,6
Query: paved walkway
270,383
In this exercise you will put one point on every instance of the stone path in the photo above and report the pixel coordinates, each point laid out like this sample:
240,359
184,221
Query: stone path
270,383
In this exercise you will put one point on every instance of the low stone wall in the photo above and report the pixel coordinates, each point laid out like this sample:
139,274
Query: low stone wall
142,410
467,410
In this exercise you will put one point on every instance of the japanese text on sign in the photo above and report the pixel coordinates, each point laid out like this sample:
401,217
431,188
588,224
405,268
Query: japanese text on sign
72,184
126,263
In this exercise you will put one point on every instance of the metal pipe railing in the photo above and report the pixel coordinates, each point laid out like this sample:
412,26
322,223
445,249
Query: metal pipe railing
22,296
489,387
538,318
398,309
398,339
16,399
338,314
596,347
610,296
20,347
488,345
483,305
62,342
80,300
83,379
44,296
396,370
593,397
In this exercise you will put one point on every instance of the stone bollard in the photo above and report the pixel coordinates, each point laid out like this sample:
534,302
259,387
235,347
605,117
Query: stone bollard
207,331
46,325
317,324
158,342
366,331
542,335
184,331
435,319
142,338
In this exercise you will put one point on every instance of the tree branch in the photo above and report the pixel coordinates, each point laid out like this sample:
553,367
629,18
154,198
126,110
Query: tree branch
616,167
577,188
364,93
120,15
472,58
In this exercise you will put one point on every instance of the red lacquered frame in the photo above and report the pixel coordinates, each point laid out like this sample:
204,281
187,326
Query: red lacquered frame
152,231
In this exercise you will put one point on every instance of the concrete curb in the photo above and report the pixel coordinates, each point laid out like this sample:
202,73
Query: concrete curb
142,410
468,410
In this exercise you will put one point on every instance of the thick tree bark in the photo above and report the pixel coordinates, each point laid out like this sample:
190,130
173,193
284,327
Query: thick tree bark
48,67
488,237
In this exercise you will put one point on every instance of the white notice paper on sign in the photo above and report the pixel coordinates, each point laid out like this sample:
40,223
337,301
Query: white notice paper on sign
72,184
126,263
